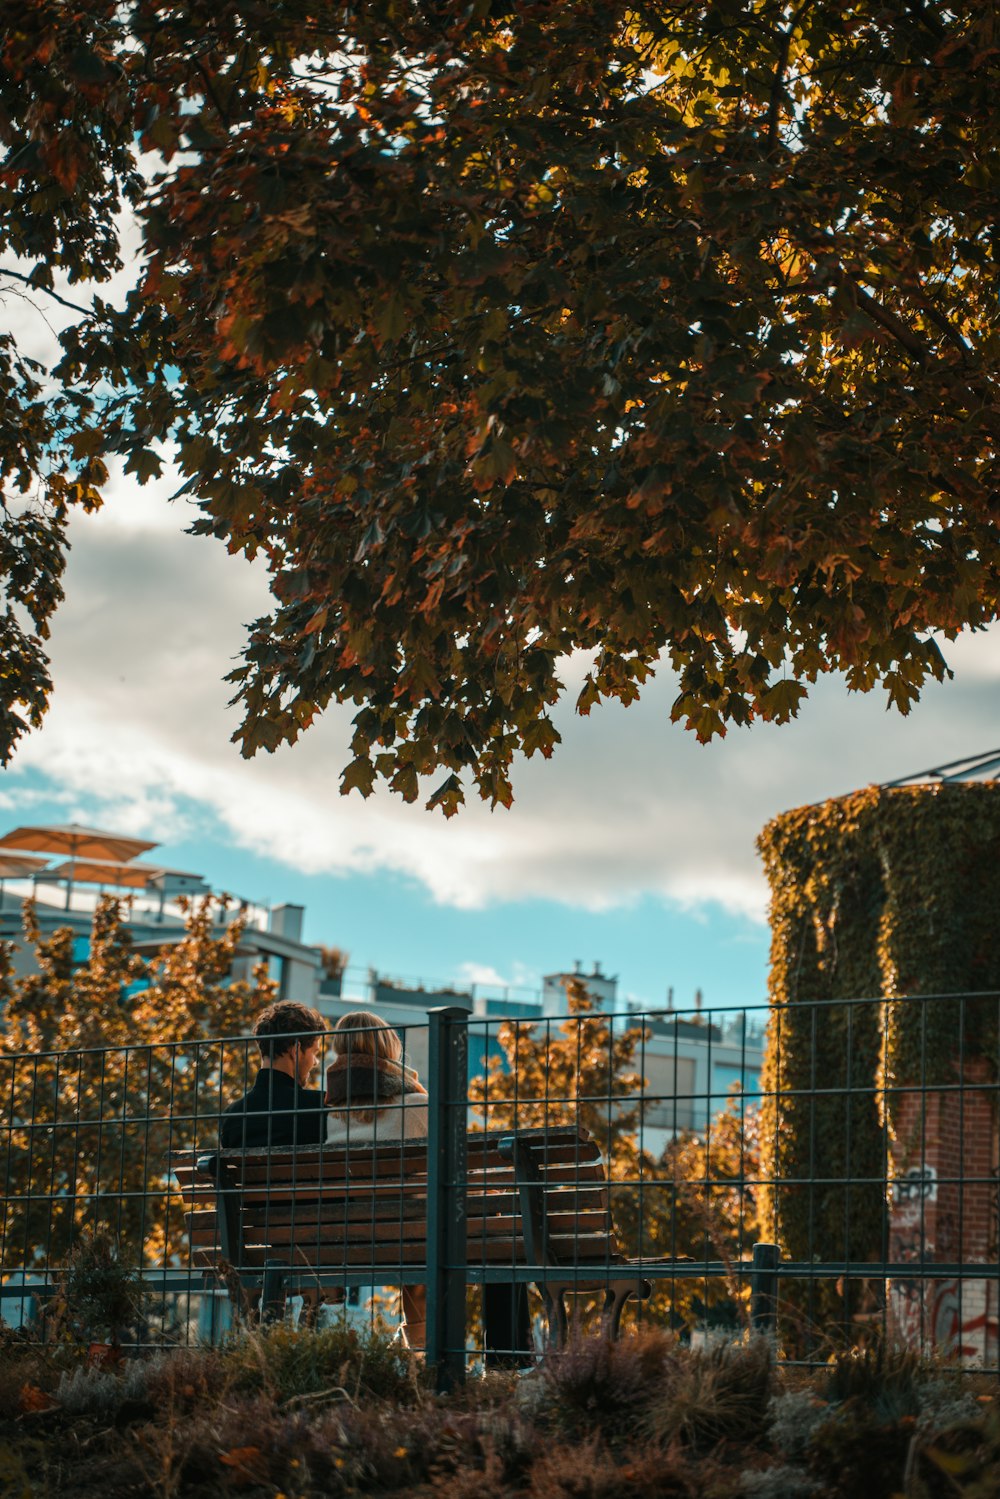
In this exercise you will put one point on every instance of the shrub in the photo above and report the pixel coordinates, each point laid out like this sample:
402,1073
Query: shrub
778,1483
284,1362
186,1378
102,1392
594,1382
882,1377
793,1418
22,1367
716,1394
102,1293
590,1471
945,1401
857,1452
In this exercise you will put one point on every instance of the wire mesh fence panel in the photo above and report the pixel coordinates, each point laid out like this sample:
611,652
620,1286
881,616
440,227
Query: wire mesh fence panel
544,1173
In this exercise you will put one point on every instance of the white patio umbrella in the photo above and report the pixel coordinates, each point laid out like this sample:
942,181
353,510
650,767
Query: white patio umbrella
18,867
78,843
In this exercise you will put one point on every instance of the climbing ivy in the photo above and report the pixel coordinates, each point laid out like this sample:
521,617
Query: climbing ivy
878,899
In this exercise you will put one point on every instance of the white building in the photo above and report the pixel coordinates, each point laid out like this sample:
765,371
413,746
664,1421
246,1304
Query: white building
65,895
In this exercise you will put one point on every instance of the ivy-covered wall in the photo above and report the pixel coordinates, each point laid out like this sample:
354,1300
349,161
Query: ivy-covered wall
875,896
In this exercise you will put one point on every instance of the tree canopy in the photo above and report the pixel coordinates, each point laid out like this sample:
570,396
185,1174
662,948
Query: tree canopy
659,331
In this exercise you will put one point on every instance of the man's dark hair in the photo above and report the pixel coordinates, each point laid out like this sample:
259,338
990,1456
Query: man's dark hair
282,1024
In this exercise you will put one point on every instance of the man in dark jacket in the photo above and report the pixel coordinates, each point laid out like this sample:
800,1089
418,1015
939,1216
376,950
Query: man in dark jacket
281,1108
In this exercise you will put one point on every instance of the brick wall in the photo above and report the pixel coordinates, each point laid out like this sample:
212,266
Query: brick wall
944,1210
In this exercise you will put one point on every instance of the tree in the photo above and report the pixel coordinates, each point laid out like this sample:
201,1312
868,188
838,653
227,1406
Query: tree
503,332
696,1202
105,1068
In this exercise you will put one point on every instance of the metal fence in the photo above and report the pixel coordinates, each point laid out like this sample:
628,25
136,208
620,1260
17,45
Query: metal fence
558,1171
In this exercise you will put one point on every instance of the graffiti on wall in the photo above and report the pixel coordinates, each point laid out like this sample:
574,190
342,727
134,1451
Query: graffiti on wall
951,1318
917,1185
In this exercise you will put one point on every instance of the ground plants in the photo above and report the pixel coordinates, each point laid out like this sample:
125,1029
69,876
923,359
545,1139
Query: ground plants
285,1364
649,1418
719,1393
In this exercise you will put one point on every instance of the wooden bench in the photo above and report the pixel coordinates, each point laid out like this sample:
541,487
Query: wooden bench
273,1223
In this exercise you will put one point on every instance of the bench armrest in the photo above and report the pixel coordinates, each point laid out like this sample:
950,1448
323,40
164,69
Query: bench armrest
228,1205
531,1197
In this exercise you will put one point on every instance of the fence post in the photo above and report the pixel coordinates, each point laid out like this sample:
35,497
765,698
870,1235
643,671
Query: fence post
448,1090
764,1289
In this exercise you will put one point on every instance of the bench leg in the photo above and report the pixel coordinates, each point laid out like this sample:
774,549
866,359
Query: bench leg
616,1294
272,1296
615,1297
554,1301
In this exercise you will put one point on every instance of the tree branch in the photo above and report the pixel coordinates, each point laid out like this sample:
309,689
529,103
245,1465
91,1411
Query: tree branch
778,85
940,321
885,319
27,281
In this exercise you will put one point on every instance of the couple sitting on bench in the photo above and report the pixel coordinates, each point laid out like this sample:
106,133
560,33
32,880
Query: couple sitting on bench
371,1096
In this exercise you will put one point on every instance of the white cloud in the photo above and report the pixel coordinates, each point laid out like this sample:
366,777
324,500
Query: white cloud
630,804
484,976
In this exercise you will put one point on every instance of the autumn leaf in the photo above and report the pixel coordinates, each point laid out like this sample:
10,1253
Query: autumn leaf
247,1466
358,776
392,321
447,797
781,702
32,1400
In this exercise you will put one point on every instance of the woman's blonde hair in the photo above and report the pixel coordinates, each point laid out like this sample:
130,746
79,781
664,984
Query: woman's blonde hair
364,1037
363,1034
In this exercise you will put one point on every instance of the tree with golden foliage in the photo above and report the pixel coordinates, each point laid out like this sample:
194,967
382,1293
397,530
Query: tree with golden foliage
651,332
105,1068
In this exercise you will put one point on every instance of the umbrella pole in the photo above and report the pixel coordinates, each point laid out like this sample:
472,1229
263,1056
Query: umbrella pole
69,881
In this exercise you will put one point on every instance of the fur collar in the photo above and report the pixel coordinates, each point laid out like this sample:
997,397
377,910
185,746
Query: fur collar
359,1083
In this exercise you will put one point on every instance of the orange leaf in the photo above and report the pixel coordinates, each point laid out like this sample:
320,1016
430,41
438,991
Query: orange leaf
248,1464
32,1398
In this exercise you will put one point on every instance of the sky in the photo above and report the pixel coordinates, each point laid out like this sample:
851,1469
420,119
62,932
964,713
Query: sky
633,846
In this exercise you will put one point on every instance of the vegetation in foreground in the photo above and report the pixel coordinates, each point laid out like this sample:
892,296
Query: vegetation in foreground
337,1412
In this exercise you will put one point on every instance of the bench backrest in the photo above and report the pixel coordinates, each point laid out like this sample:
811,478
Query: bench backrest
531,1197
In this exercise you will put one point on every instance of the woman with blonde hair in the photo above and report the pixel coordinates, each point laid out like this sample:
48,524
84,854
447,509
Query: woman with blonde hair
370,1092
373,1097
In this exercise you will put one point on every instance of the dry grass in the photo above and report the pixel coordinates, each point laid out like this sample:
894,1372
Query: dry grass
716,1394
329,1414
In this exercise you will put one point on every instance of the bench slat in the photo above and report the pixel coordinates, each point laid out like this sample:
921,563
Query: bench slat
388,1209
372,1165
261,1192
594,1249
333,1192
572,1226
404,1157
